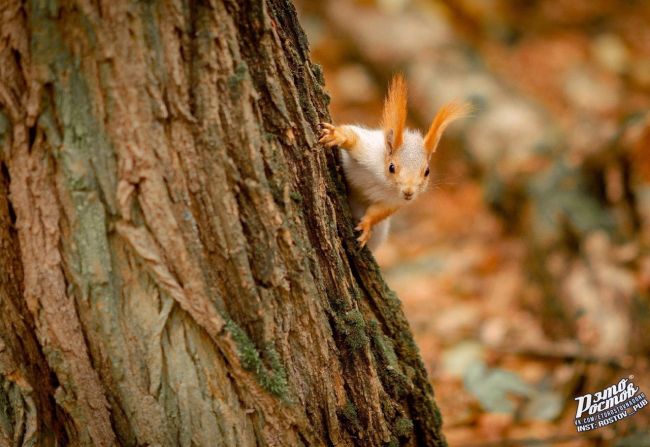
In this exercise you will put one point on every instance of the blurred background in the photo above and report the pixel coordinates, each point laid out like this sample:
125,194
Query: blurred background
525,270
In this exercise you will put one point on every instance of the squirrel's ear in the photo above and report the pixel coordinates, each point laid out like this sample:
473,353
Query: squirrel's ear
447,113
390,140
394,115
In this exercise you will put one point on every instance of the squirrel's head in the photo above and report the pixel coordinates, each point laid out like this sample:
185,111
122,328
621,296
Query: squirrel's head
407,153
407,166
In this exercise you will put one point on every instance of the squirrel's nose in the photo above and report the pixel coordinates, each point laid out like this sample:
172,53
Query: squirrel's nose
408,194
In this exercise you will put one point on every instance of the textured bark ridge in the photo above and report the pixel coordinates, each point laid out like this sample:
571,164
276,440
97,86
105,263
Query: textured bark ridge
177,262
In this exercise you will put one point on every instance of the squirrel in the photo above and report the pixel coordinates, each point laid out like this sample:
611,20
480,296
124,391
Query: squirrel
387,168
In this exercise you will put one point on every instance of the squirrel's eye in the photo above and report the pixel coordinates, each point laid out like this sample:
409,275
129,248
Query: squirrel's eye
391,168
426,173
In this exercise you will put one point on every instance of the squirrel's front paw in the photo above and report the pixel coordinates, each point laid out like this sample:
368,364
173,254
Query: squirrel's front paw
366,231
331,136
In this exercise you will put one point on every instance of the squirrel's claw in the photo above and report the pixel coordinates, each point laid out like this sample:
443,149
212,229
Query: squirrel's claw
366,232
329,135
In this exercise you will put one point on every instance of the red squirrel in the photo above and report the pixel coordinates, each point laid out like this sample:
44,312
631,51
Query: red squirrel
387,168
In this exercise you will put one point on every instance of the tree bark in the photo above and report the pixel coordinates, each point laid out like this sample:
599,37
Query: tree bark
177,264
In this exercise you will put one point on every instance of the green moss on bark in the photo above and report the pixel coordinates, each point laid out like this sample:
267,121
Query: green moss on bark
403,427
273,378
350,418
394,381
352,327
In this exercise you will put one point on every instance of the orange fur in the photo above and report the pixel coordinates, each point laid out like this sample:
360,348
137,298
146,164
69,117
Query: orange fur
394,116
447,113
375,213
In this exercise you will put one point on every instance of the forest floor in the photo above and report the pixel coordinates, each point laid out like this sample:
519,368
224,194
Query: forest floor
524,270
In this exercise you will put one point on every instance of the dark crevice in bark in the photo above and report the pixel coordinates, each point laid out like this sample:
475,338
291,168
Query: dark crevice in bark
6,179
22,356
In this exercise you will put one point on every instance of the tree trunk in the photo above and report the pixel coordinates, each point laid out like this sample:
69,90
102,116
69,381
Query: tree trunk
177,263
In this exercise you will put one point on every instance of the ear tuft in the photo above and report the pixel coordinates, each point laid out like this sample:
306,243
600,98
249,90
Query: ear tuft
449,112
394,116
